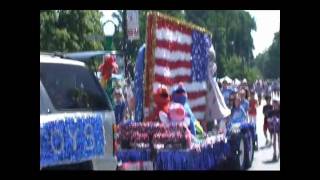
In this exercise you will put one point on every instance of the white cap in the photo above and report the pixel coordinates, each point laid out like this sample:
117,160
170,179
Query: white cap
118,91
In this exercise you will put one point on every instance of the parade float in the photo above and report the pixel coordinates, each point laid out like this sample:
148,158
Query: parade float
165,133
159,138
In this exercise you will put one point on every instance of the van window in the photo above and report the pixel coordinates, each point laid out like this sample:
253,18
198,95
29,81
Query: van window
72,87
42,106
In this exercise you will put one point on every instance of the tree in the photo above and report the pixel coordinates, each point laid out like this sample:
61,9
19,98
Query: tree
68,30
133,46
233,66
231,34
269,61
274,54
251,74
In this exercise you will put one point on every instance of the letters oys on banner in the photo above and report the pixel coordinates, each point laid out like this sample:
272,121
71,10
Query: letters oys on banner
71,140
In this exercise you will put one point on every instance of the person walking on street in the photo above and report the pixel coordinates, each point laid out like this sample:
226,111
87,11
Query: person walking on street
252,108
226,91
269,90
120,106
278,88
266,112
243,101
274,126
258,89
238,114
265,88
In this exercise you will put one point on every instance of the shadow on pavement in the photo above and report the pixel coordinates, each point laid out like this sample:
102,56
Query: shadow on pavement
270,161
265,147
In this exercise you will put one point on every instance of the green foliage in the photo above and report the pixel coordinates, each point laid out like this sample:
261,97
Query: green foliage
233,66
67,30
268,62
252,74
231,33
133,46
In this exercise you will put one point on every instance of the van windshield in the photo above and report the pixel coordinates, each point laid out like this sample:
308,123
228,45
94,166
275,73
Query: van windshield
72,87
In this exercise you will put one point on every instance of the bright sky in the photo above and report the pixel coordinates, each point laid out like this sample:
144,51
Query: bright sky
267,21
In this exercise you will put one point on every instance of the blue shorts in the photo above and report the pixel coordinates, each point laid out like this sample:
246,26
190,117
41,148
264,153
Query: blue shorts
274,127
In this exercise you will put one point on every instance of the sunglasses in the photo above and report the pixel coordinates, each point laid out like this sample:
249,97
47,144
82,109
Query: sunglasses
180,91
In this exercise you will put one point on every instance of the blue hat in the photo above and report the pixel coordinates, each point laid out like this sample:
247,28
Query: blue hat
179,89
179,94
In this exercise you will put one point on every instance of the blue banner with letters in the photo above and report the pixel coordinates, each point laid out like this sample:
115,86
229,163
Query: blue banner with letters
71,139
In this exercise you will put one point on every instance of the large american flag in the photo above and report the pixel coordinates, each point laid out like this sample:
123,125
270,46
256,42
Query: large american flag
177,52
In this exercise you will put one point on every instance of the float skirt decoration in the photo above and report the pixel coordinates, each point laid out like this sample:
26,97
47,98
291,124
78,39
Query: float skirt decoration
133,155
208,157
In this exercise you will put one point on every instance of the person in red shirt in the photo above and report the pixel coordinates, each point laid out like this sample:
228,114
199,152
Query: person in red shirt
252,113
252,108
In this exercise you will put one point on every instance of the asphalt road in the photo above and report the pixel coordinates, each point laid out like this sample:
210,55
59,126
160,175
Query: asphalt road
263,157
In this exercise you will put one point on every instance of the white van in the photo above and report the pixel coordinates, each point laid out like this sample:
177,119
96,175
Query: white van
59,79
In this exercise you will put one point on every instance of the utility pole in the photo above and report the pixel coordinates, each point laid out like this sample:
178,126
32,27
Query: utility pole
124,47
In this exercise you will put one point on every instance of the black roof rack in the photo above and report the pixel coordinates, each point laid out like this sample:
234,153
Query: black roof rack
58,54
83,56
